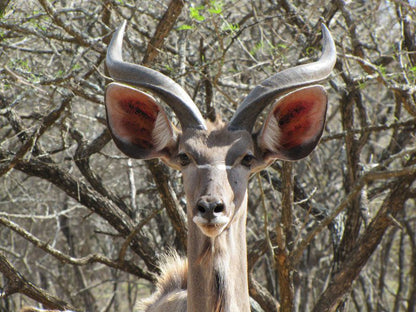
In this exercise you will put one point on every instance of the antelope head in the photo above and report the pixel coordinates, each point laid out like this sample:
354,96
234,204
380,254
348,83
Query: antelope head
216,160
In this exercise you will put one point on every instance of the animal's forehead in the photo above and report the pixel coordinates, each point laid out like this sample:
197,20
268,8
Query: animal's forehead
217,143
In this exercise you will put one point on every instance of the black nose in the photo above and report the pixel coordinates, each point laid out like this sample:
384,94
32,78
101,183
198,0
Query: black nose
209,207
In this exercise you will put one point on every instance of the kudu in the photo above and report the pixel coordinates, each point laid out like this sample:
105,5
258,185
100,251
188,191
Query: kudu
216,160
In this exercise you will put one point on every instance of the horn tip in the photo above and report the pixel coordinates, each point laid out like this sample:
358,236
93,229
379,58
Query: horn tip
122,27
325,30
329,48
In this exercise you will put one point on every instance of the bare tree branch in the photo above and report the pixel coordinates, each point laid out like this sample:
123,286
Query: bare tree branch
17,283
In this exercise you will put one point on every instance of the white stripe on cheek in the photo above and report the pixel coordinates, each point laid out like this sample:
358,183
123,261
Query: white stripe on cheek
220,166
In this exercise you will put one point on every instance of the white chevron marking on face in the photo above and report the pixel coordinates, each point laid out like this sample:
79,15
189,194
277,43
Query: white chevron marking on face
220,166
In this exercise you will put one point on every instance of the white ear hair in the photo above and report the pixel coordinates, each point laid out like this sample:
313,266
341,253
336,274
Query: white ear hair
271,135
162,132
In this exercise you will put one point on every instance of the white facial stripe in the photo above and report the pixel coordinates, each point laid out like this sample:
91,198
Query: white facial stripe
220,166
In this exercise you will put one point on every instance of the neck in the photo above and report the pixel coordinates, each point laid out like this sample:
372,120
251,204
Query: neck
217,272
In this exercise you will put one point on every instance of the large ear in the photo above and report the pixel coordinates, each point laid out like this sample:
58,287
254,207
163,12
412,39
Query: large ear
138,125
295,124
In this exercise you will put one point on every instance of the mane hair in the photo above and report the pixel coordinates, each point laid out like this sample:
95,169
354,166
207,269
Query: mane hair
218,123
219,285
218,282
170,286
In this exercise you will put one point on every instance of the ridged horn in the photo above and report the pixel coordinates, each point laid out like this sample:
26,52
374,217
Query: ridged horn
282,82
145,78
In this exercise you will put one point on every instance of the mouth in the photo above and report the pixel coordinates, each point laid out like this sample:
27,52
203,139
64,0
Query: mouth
211,228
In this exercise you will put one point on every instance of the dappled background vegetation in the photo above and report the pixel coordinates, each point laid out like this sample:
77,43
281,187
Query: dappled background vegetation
82,226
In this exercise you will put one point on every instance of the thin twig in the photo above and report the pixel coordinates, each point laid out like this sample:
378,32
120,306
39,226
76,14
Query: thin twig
266,218
371,176
93,258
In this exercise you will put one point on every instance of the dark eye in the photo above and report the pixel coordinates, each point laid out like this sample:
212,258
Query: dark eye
184,159
247,160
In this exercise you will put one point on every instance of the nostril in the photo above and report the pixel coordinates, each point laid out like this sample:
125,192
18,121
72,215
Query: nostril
209,208
201,208
219,208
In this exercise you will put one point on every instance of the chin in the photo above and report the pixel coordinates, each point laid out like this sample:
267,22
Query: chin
212,230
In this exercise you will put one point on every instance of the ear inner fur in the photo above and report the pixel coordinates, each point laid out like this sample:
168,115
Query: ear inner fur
295,124
138,124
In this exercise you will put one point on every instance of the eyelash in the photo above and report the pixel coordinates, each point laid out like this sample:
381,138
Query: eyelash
184,159
247,160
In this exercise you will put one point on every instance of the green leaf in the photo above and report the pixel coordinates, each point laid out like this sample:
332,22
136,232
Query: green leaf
215,7
185,27
231,27
256,48
362,85
194,13
382,69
